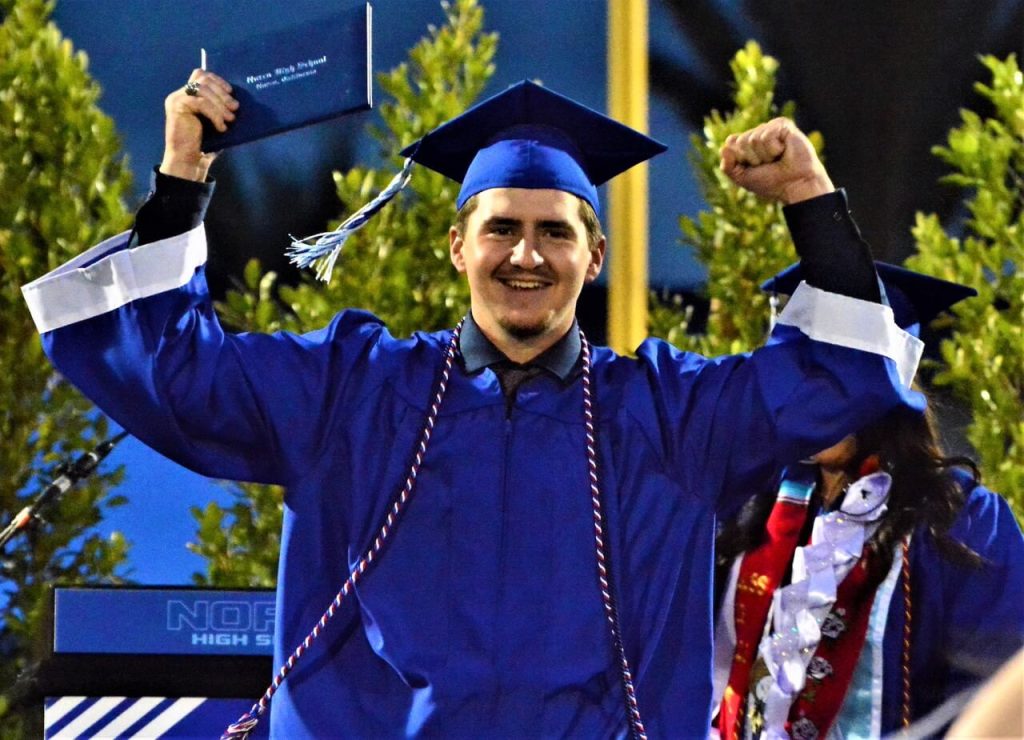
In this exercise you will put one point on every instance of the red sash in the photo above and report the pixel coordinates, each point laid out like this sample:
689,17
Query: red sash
761,572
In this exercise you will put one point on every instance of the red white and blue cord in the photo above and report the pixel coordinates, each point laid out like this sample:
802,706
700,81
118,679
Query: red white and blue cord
248,721
603,560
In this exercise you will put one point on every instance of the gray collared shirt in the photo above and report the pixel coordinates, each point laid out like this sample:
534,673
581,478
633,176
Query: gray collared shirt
559,359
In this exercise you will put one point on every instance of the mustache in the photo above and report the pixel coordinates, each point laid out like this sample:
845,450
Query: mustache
541,273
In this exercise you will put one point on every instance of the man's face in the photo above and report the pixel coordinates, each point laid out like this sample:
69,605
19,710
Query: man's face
526,257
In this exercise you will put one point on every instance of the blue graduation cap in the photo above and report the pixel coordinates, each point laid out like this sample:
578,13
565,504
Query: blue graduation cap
524,137
915,299
531,137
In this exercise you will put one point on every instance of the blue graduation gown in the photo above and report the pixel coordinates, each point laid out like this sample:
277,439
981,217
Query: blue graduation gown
483,616
965,622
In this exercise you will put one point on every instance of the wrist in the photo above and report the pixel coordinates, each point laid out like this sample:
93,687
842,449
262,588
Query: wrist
807,188
187,168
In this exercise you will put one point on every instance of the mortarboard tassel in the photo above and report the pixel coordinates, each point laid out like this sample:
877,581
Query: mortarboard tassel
323,249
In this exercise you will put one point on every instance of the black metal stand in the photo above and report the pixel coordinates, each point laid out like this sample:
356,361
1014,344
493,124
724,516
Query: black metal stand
69,475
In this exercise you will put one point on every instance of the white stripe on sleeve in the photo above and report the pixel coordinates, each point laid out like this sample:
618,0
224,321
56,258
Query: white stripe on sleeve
114,276
851,322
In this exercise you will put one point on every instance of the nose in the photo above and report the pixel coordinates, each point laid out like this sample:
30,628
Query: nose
526,255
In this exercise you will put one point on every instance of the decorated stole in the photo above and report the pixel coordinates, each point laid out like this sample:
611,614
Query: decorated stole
761,573
830,672
786,680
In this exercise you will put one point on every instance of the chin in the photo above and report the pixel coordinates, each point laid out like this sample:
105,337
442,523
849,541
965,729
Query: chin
523,330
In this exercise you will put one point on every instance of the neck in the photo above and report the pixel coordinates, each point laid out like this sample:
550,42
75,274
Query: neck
833,482
522,351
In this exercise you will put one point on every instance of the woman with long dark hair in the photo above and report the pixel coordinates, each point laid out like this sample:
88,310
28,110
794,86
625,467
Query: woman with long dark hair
874,586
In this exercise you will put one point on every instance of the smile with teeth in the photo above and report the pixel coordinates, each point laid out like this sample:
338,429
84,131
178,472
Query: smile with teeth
524,283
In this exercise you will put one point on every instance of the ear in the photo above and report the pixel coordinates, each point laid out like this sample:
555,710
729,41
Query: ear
455,249
596,260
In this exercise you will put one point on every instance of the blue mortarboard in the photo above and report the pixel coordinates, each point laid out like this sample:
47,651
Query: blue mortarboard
915,299
524,137
531,137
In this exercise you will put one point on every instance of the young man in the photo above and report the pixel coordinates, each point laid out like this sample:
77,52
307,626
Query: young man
503,505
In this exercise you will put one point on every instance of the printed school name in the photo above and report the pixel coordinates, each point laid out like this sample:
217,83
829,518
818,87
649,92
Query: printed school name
223,622
287,73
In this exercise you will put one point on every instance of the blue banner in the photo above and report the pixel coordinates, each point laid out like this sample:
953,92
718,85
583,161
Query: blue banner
163,621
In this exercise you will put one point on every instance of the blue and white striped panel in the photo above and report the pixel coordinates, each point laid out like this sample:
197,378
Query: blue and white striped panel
74,717
795,492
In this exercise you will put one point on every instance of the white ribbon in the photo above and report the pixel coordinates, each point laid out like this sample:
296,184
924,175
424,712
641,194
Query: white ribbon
799,609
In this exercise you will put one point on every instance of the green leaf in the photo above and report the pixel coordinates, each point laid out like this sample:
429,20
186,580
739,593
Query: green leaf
63,180
737,238
983,358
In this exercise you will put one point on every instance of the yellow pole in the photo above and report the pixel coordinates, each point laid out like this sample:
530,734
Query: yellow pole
627,193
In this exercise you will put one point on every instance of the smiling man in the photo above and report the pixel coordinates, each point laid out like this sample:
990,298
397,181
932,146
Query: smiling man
527,255
493,515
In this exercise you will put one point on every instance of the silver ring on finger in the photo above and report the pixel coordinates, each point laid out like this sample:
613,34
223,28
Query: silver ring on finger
192,89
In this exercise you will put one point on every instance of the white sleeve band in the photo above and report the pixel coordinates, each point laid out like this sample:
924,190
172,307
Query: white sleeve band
115,277
850,322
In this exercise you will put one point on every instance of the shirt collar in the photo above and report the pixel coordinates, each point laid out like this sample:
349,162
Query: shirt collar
479,352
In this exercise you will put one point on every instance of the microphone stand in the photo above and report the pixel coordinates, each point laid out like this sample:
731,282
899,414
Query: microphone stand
69,475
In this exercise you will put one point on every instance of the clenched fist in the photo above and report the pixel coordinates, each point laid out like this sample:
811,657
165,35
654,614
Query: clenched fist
775,161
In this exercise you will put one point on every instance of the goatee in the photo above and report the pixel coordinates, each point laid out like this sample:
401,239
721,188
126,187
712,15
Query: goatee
523,331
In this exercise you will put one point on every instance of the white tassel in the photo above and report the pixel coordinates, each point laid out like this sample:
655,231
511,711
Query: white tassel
322,249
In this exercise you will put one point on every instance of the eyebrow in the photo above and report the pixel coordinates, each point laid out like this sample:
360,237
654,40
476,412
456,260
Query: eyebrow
558,224
500,221
546,224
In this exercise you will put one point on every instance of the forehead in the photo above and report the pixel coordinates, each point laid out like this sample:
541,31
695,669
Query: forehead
527,204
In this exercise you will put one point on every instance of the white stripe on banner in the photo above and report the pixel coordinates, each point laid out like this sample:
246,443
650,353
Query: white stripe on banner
56,711
169,717
88,718
129,717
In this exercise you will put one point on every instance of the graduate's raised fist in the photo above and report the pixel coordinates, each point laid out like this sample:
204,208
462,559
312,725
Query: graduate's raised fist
775,161
205,95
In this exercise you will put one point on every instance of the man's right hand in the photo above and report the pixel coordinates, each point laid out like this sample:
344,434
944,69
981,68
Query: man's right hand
183,133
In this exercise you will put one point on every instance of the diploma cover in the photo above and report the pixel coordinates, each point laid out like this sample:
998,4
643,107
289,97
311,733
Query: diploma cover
304,74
